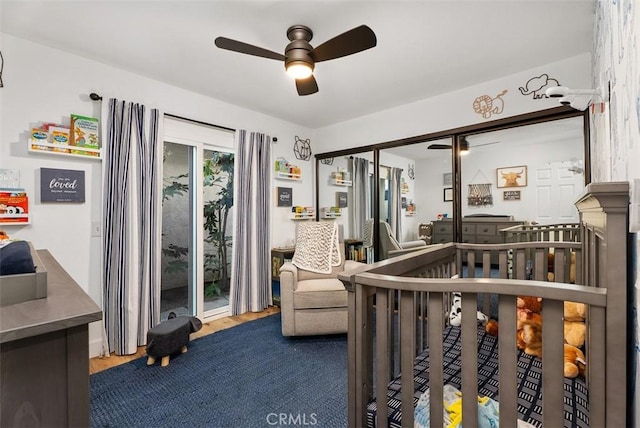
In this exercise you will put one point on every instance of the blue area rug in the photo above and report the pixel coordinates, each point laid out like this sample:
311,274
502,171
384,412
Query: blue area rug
245,376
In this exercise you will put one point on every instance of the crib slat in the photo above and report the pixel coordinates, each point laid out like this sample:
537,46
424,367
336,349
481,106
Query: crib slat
469,359
436,377
541,265
596,368
382,357
552,363
391,331
560,261
507,361
502,264
359,340
407,338
519,259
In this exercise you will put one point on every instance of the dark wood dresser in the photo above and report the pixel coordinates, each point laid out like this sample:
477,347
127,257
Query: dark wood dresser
44,354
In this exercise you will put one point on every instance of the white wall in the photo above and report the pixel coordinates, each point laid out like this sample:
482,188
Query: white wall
454,109
47,85
479,166
615,137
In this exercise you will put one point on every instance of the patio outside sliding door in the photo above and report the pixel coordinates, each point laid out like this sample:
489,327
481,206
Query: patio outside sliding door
197,226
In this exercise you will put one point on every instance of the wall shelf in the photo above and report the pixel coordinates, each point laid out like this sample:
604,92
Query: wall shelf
288,176
303,216
15,206
65,150
339,182
330,212
14,219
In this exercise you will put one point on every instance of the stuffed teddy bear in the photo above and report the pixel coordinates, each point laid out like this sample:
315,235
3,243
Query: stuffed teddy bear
529,338
528,309
574,325
574,362
551,267
530,341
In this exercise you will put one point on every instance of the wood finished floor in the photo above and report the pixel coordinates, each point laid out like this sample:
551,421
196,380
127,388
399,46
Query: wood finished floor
98,364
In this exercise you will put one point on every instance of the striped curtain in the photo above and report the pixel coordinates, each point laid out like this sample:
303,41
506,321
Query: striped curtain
131,224
360,203
251,271
395,188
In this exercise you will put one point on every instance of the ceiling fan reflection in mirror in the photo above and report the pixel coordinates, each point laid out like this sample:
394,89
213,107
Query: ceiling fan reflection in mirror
300,57
464,145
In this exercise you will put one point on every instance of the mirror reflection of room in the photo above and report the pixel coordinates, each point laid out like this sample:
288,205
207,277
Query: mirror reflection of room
531,174
525,175
345,195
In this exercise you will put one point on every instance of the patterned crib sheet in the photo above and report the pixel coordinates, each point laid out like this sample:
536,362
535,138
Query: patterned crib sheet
529,374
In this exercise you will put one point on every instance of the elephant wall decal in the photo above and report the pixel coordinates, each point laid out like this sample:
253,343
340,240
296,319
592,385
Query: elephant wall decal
537,86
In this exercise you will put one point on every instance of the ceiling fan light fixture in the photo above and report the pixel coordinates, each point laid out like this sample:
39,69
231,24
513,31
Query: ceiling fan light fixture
299,69
464,147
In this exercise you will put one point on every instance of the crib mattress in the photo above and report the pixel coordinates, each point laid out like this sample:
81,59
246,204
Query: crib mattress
529,374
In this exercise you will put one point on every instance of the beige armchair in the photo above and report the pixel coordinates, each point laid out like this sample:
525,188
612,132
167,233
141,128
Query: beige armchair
389,245
314,303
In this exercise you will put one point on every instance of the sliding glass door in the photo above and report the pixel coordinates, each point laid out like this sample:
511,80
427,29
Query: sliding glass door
197,226
217,227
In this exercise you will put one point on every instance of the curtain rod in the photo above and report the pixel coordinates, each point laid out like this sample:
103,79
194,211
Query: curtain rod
199,122
97,97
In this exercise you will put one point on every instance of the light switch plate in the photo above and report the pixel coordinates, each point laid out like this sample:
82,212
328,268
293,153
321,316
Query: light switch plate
96,228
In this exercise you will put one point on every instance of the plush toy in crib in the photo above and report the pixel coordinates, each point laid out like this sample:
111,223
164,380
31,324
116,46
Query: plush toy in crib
574,325
551,267
455,314
528,309
529,338
574,362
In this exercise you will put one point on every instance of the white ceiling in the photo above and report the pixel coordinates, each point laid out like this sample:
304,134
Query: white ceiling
425,48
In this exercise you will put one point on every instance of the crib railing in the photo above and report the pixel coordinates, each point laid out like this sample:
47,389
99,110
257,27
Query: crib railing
414,289
568,232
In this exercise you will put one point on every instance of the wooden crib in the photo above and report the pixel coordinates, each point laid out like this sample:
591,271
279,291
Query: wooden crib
398,311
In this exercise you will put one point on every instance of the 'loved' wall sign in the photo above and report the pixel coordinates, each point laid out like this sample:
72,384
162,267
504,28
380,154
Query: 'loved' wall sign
61,185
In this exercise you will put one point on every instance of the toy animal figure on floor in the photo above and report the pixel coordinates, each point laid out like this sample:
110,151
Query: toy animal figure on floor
169,337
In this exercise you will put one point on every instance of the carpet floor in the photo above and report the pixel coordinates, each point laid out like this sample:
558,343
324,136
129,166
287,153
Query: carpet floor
245,376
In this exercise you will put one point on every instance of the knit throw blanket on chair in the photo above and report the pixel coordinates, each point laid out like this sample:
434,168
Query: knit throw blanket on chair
317,247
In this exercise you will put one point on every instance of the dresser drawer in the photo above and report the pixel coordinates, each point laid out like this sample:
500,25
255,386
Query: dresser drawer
486,229
488,239
440,238
443,228
468,229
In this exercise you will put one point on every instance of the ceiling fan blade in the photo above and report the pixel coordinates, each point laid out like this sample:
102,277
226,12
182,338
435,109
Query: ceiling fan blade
245,48
307,86
438,146
353,41
487,144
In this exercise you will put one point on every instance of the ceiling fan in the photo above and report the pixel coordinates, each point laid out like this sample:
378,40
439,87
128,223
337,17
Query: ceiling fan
300,57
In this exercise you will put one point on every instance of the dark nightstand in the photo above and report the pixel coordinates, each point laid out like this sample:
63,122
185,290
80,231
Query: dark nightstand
278,257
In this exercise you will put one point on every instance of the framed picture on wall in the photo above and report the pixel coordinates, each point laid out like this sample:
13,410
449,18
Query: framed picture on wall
511,195
447,179
511,176
341,199
448,194
285,196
